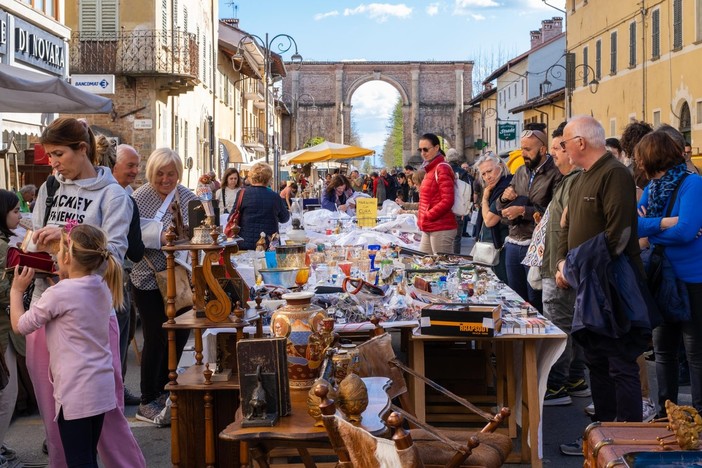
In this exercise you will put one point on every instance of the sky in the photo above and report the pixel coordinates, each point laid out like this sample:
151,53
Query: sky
445,30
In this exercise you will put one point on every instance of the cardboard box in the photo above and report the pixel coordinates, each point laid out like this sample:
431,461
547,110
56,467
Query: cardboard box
470,320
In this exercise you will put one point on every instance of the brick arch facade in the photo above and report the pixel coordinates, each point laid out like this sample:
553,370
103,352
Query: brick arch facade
433,95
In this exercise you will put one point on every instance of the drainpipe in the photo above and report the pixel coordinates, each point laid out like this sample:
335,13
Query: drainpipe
215,24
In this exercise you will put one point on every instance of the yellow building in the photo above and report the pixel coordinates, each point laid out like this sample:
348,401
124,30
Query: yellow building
645,54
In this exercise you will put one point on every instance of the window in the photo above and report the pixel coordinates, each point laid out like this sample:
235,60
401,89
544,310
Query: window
677,25
612,127
164,21
185,19
48,7
656,118
613,54
598,60
185,143
586,67
632,44
175,14
698,20
655,34
698,111
98,19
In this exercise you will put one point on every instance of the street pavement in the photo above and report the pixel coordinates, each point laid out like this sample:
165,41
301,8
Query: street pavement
561,424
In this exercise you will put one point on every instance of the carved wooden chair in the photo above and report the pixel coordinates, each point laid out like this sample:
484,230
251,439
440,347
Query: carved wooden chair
357,448
377,359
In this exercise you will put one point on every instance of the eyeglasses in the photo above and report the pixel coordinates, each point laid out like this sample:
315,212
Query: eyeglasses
539,135
563,143
425,150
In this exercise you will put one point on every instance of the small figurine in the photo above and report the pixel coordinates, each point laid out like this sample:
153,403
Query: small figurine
258,399
261,243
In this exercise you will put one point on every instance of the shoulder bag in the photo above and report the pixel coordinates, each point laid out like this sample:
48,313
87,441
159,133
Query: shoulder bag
485,253
669,292
234,217
184,293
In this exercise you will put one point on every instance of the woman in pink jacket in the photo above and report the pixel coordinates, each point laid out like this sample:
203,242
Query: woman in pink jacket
435,218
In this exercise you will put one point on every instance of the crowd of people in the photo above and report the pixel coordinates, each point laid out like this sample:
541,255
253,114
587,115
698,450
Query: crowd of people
577,209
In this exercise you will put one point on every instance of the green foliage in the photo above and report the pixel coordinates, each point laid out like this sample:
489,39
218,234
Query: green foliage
392,150
354,138
367,168
313,141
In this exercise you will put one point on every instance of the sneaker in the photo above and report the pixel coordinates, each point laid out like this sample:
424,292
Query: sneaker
164,417
578,388
590,409
7,452
648,410
161,400
557,397
574,449
150,412
130,399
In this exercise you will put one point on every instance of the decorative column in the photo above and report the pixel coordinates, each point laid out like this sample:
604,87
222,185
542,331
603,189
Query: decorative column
339,107
414,107
458,112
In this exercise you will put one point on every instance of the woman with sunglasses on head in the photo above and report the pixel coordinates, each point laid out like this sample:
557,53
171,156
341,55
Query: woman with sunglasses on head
435,218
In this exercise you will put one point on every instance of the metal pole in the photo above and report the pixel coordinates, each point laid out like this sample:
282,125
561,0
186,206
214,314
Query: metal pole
266,71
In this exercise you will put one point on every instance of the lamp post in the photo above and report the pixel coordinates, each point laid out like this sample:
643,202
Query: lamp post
284,43
572,73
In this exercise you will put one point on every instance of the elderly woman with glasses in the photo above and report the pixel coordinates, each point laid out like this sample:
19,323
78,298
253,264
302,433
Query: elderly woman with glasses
435,218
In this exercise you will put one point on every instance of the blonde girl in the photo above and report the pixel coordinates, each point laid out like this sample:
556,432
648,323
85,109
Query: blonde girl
76,315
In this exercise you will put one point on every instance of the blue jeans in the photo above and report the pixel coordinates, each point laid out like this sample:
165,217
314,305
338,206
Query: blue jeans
517,275
666,343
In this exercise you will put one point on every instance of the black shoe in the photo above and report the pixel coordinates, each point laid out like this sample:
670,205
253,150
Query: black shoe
130,399
45,448
465,234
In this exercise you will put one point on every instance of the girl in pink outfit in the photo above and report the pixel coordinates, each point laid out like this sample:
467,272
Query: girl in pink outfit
80,363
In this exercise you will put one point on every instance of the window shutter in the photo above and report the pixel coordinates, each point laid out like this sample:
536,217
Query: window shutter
586,68
613,53
109,17
677,25
598,60
655,34
185,19
632,44
164,21
88,20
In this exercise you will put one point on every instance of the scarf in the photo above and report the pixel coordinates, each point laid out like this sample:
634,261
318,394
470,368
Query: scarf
660,190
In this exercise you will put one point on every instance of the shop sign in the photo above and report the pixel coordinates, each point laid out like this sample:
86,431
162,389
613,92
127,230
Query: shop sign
96,84
39,48
3,33
507,132
143,124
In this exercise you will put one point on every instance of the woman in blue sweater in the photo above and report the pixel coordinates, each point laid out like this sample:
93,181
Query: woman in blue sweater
660,157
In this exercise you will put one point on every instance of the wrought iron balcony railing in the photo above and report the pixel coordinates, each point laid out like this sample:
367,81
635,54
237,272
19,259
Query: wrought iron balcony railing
253,136
142,52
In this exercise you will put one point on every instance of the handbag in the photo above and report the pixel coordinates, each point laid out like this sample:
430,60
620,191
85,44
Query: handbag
669,292
230,230
485,253
184,293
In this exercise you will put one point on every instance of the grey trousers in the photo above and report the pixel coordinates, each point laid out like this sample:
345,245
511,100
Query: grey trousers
558,308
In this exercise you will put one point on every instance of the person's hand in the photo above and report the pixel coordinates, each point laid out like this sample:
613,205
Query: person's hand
23,278
644,243
537,217
513,212
509,194
341,208
399,201
667,223
642,211
561,282
47,238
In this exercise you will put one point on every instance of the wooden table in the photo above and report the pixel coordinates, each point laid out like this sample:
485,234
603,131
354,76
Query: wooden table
537,351
298,430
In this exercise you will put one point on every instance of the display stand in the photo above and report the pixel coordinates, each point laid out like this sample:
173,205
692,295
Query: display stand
202,407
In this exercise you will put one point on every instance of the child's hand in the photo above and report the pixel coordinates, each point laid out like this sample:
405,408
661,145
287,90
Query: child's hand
23,277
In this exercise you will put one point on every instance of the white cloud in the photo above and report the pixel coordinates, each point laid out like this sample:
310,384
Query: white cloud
329,14
380,11
462,7
433,9
540,5
477,17
372,103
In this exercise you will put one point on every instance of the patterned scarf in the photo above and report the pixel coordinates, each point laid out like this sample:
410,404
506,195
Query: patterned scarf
660,190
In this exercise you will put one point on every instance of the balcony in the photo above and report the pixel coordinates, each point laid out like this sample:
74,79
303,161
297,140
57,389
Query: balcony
254,137
173,55
255,91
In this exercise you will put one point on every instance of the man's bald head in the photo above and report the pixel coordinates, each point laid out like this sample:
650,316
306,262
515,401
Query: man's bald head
126,166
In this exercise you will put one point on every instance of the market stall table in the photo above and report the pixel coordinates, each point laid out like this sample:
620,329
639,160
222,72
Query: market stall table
298,430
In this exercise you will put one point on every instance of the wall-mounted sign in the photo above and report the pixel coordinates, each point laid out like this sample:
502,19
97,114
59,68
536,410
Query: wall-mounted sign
39,48
3,32
143,124
507,132
96,84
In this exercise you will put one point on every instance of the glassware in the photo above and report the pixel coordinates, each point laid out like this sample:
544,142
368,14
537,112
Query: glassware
303,275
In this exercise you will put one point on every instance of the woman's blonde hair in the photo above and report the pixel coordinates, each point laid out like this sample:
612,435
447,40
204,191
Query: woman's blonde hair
87,246
161,158
260,173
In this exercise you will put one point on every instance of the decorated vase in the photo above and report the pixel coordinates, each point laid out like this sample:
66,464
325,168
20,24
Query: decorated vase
301,323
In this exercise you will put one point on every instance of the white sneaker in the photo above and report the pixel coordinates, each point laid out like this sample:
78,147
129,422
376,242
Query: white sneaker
648,410
590,409
164,417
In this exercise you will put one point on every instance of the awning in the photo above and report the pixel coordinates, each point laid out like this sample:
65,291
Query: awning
235,153
27,91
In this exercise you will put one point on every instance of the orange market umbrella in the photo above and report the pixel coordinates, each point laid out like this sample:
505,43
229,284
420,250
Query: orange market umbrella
325,151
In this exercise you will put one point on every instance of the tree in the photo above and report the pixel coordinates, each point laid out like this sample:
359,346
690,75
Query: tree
354,138
313,141
486,61
367,168
392,150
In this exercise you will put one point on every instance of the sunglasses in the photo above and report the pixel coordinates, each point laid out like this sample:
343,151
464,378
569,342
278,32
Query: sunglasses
563,143
539,135
425,150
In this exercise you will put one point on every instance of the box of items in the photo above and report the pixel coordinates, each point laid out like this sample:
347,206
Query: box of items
458,319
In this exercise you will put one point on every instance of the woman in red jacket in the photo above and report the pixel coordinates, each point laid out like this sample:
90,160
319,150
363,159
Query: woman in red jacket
435,218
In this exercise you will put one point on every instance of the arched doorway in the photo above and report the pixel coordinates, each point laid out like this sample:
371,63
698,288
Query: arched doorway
685,122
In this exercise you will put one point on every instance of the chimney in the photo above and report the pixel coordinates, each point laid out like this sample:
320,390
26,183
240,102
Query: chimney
231,22
535,38
551,28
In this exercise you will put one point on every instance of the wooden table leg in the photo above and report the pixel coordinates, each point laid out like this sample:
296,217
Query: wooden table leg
531,396
175,448
209,432
261,456
306,458
417,387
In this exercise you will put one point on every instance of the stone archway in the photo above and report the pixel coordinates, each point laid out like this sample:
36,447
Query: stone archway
433,95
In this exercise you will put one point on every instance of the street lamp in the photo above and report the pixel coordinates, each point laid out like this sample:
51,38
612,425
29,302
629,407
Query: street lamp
284,43
572,73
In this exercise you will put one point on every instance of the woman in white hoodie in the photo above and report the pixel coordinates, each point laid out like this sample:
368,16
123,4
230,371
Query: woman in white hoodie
88,195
